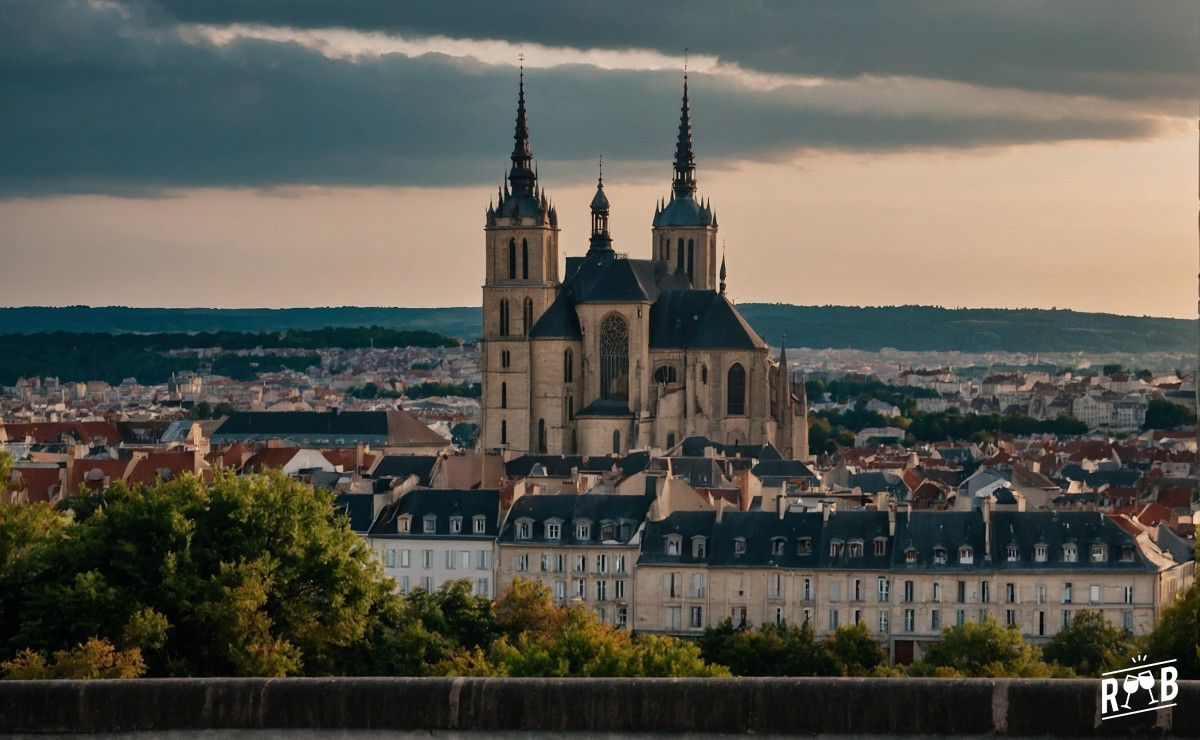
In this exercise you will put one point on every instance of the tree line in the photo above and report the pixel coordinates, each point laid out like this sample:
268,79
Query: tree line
261,576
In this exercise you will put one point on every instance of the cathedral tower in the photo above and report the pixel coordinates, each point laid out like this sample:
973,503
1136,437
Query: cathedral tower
520,282
685,228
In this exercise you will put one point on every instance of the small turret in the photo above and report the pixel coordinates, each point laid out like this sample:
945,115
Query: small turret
601,240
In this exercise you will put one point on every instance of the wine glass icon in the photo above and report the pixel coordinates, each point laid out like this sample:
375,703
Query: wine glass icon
1130,685
1146,681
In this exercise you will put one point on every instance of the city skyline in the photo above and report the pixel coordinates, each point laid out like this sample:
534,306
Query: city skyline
214,145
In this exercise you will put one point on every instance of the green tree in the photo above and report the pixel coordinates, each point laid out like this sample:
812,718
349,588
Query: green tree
769,650
1178,634
854,650
6,466
89,660
1164,414
252,575
981,649
1089,644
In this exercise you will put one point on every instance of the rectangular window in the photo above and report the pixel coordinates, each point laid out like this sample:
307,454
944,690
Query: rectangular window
835,591
619,589
581,588
697,585
808,589
741,584
674,618
1041,593
427,583
601,590
775,585
622,616
427,559
674,585
857,616
391,558
858,592
696,620
602,563
908,592
619,564
484,557
1010,593
1127,620
405,558
404,587
883,622
880,547
581,563
960,617
1066,593
937,593
481,587
1010,617
885,590
560,563
1128,595
522,563
1041,624
962,592
478,525
985,592
910,620
738,615
1094,594
560,591
451,559
833,619
1066,618
553,530
545,562
935,620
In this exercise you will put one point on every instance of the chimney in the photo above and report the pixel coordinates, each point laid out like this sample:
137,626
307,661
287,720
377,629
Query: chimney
359,453
828,509
721,504
781,502
891,510
986,510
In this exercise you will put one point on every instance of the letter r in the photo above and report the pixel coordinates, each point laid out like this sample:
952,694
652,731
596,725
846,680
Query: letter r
1108,694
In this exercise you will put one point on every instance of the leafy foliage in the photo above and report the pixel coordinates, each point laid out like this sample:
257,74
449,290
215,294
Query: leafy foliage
1178,634
90,660
984,649
1164,414
1089,645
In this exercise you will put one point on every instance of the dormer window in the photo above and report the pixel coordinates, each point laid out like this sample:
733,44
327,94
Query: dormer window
1099,553
856,549
607,532
626,530
699,547
804,546
404,524
966,555
1126,553
674,542
880,546
1041,552
777,545
583,530
1070,553
553,530
524,529
739,545
478,524
1012,554
910,555
835,548
939,555
455,524
429,524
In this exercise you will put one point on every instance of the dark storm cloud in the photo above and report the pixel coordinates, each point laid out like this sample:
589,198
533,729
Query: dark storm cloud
1114,48
95,98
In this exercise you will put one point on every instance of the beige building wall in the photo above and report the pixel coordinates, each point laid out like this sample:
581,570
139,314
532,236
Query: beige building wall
600,578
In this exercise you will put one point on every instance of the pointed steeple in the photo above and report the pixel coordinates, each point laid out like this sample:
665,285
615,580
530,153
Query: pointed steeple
783,387
722,271
522,175
601,240
684,182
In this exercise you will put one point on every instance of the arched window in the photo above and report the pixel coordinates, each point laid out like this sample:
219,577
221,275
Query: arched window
691,254
525,259
735,391
670,440
570,407
504,317
504,395
614,358
512,259
527,316
664,374
679,255
616,441
505,358
704,374
541,435
503,432
568,366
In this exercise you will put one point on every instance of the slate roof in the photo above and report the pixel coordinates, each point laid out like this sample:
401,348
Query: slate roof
282,423
559,321
402,466
603,276
699,319
605,407
560,466
1054,529
686,524
443,504
683,211
695,446
876,481
359,507
567,508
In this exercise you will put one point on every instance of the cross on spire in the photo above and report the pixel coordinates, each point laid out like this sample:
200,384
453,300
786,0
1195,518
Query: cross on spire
521,175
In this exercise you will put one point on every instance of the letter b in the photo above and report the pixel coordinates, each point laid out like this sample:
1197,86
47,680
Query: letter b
1168,688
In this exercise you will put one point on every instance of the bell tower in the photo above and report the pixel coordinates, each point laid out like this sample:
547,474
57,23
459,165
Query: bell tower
685,228
520,282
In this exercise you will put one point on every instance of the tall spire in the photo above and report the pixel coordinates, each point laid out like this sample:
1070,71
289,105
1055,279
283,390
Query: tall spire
722,269
522,176
600,236
684,183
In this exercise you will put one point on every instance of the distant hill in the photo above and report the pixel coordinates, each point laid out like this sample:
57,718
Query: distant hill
916,328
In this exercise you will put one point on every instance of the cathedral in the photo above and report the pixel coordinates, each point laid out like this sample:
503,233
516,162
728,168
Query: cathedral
621,353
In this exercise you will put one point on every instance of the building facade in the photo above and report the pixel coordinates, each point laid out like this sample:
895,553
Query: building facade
622,353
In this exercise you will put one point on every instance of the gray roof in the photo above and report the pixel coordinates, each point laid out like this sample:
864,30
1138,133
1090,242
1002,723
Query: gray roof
568,508
683,211
699,319
442,504
559,321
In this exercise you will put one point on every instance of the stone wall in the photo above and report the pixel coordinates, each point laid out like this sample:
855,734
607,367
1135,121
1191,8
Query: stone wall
793,706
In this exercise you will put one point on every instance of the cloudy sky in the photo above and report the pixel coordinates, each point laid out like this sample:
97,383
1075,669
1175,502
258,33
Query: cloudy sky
338,152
